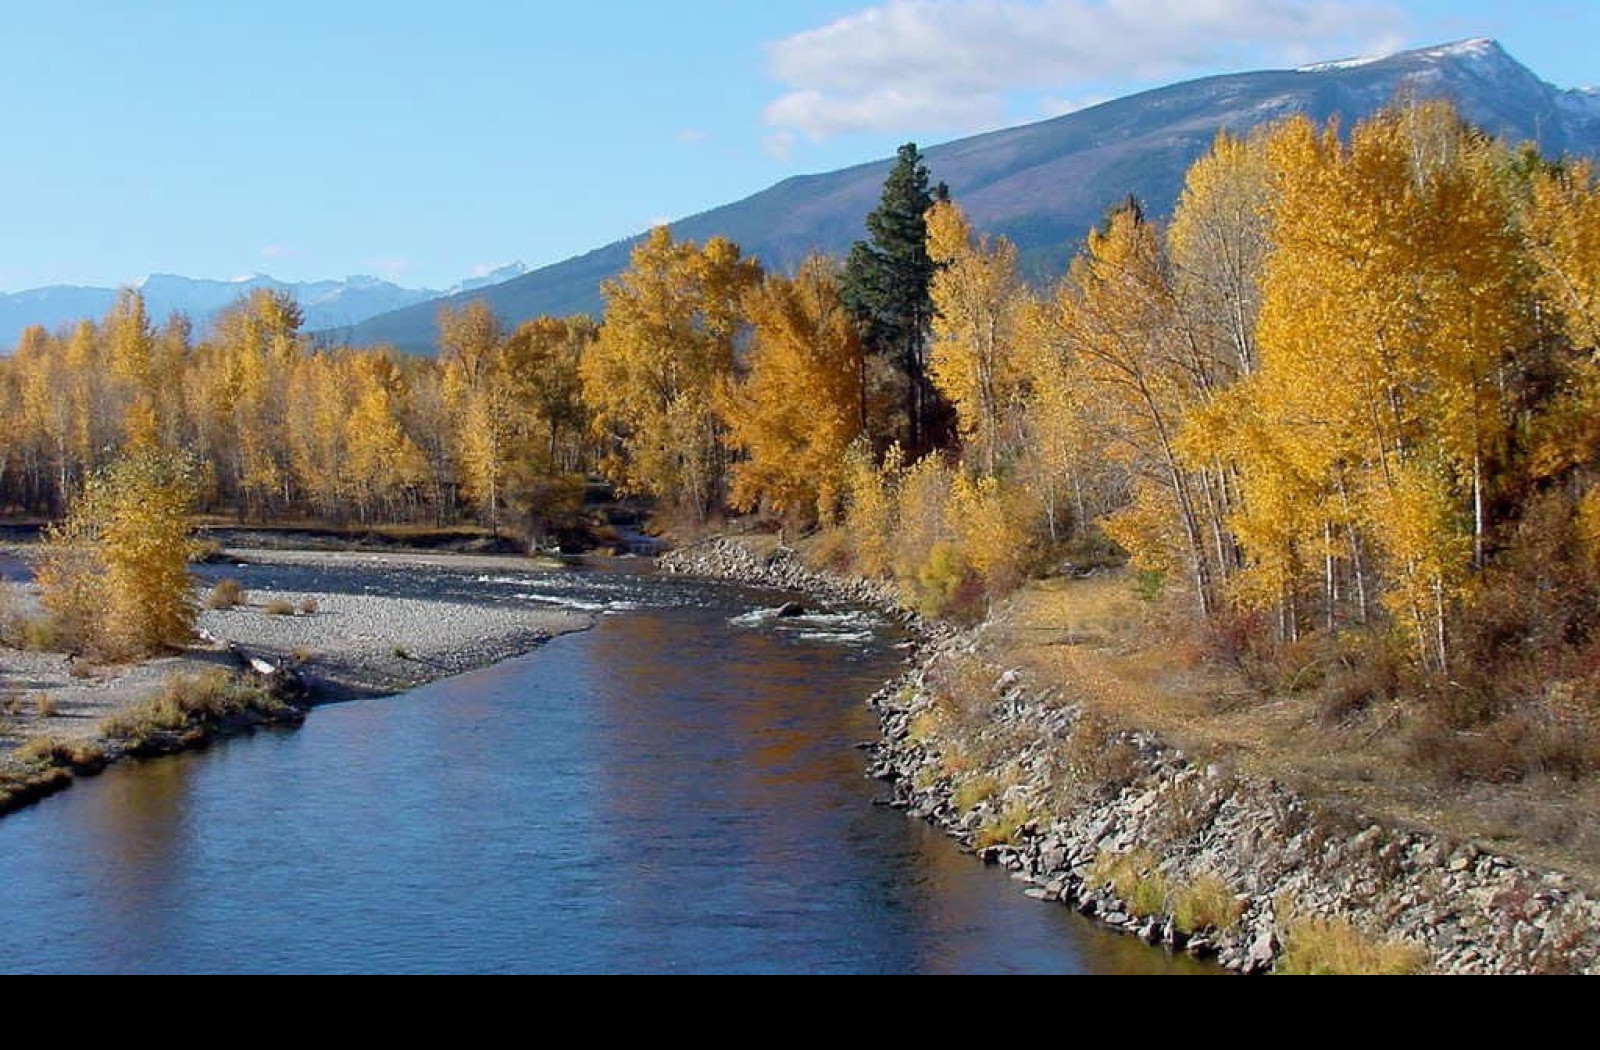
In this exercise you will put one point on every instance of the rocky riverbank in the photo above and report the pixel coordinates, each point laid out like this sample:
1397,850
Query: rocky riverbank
1123,827
781,568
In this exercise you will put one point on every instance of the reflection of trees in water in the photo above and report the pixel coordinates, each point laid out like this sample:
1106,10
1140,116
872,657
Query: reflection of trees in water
135,859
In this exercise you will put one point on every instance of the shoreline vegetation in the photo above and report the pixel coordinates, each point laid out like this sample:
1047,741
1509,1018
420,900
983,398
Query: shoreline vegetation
1050,770
264,661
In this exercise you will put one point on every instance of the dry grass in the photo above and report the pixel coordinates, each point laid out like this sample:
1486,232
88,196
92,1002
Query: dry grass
279,607
1206,904
226,594
970,793
1333,946
1004,827
1135,879
1346,742
58,751
187,701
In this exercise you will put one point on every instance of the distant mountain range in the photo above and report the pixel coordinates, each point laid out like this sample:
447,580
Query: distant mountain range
327,304
1045,185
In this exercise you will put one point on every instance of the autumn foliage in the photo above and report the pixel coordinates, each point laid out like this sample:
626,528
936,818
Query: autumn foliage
114,576
1347,396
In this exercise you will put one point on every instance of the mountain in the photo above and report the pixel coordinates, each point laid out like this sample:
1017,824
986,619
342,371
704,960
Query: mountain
494,276
1045,185
327,304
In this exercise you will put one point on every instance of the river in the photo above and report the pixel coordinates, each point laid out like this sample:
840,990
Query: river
675,790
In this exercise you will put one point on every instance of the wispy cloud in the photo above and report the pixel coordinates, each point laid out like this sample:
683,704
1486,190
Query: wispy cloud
694,136
779,144
954,64
280,251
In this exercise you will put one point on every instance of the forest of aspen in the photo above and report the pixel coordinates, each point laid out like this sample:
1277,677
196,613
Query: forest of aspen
1342,410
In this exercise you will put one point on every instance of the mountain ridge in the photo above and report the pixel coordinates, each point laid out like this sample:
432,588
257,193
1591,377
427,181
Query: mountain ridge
327,303
1046,183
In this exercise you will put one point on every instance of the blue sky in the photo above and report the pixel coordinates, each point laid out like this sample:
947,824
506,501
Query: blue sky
425,142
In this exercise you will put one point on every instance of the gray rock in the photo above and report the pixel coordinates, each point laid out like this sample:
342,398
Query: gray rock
1262,951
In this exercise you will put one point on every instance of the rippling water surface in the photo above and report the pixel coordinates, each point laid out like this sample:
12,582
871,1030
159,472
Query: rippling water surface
674,790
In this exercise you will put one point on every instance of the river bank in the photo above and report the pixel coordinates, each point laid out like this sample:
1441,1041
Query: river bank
1199,855
318,643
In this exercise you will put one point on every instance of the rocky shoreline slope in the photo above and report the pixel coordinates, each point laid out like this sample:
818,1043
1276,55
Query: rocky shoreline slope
1128,829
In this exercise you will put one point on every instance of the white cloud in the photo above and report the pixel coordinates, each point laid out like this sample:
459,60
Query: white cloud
281,251
779,145
693,136
951,64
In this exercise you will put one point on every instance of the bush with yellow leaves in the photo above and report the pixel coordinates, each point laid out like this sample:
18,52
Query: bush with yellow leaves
114,576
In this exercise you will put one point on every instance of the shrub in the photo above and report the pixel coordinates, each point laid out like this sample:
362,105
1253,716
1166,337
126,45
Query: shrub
226,594
946,586
1004,827
58,751
1135,879
206,698
279,607
872,494
1206,903
1148,584
978,789
44,705
115,575
41,634
308,606
1100,757
1333,946
831,550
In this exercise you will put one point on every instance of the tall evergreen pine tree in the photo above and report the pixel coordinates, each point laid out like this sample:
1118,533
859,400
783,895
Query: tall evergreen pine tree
885,287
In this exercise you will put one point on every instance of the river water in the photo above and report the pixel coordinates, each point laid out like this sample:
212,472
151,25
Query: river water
673,790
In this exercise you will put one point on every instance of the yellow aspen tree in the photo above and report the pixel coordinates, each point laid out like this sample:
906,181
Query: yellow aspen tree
384,463
84,380
1564,241
315,429
797,410
872,501
1119,316
470,346
258,341
1391,300
1219,240
132,359
171,370
973,360
543,356
993,524
47,409
664,349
